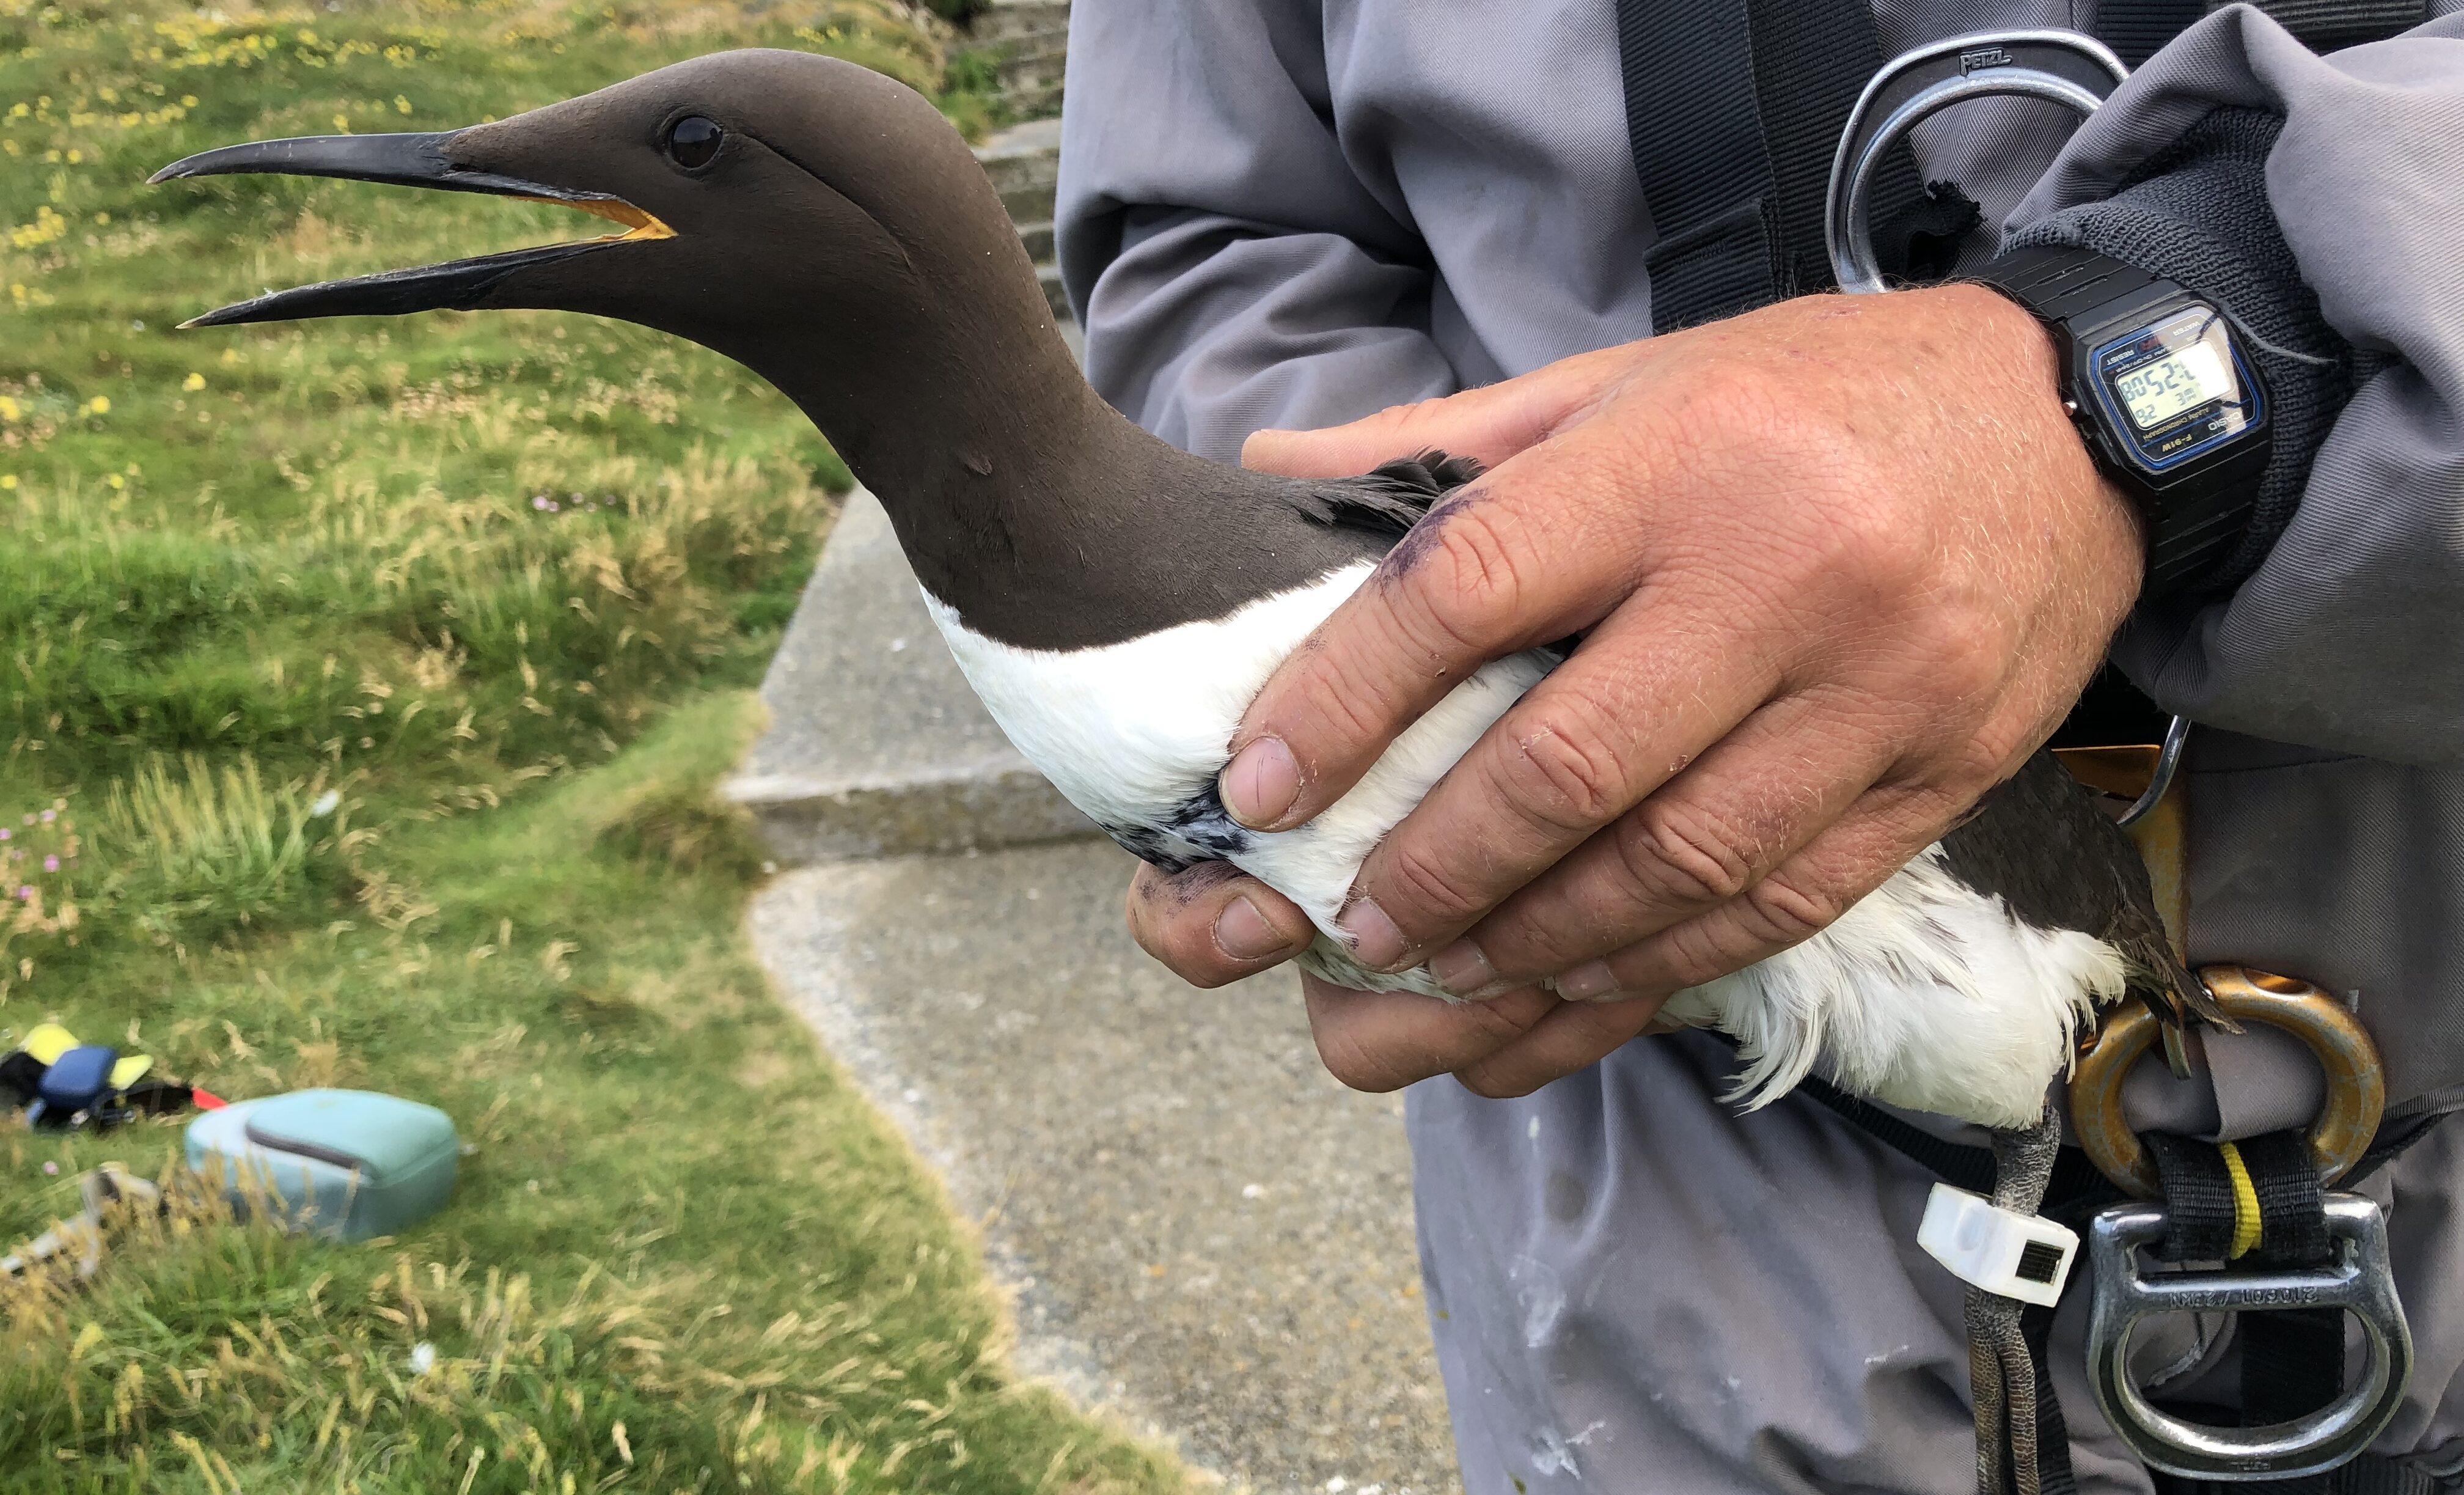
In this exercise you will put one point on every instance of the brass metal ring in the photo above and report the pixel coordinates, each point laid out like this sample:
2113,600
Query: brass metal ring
2356,1081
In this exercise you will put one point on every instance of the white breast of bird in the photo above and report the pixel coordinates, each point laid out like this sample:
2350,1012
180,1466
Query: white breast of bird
1926,994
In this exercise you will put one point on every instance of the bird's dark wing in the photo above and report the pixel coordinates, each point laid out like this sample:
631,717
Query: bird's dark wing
1387,501
2041,842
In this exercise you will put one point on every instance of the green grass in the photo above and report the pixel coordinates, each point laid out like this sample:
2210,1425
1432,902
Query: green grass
367,684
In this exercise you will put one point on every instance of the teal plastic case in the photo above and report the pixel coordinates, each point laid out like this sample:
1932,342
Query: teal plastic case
348,1164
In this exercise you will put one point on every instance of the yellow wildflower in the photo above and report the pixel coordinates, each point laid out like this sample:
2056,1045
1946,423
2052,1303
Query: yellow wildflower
10,410
117,481
99,405
193,383
8,482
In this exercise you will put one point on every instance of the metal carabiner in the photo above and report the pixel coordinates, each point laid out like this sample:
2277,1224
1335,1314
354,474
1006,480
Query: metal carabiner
2360,1282
2064,67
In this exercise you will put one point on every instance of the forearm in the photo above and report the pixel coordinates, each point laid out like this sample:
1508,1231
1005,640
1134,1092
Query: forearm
1207,328
1231,269
2318,200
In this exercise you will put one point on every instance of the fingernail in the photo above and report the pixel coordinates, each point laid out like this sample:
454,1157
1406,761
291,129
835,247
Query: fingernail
1376,942
1261,782
1243,933
1463,969
1588,983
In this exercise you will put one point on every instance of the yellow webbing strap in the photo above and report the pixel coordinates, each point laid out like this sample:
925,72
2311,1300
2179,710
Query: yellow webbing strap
2246,1223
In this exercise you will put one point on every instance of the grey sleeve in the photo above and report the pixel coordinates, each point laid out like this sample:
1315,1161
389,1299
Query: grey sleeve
1232,269
2344,634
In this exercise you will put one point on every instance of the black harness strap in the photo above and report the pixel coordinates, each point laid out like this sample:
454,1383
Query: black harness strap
2198,1198
2293,1362
2135,29
2075,1182
2367,1475
1733,112
2325,25
1735,109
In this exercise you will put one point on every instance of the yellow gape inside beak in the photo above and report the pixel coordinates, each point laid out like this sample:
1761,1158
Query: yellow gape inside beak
638,224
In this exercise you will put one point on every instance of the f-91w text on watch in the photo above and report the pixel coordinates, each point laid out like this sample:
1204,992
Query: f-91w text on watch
2161,387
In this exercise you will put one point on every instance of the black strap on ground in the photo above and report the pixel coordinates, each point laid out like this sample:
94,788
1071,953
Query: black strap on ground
1733,111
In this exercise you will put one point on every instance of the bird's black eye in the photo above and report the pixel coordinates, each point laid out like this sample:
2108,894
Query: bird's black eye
692,140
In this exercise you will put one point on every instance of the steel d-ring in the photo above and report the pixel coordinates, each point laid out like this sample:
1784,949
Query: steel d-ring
2062,67
2360,1282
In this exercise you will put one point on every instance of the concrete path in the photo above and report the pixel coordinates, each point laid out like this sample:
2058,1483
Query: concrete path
1202,1232
875,745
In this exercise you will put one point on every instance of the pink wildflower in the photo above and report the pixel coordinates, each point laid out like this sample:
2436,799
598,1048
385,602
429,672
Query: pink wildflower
51,864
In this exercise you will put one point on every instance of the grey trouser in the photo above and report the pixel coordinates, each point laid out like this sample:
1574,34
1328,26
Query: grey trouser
1632,1288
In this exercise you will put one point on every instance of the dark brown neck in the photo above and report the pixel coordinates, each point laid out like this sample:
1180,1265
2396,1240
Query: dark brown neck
1023,500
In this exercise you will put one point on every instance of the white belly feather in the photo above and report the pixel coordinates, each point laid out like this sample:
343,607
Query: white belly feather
1926,994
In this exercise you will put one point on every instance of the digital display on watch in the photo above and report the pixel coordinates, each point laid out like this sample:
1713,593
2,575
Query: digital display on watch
2176,386
2154,393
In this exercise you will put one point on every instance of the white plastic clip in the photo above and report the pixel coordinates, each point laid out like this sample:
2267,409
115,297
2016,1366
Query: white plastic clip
2025,1257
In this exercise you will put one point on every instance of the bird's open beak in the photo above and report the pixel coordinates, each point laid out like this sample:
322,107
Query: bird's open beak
405,160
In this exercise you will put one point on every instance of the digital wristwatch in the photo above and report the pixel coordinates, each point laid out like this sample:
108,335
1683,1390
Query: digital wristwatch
2159,384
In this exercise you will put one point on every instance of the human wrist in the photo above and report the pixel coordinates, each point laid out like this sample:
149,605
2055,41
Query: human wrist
1998,321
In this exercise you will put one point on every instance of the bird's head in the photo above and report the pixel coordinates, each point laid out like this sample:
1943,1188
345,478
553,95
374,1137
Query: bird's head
799,214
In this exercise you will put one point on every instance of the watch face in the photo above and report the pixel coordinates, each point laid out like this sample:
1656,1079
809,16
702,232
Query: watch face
2176,388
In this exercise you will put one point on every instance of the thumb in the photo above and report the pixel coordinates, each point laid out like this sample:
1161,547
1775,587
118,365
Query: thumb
1488,425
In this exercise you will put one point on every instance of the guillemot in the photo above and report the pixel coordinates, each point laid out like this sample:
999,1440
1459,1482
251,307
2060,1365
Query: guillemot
1116,603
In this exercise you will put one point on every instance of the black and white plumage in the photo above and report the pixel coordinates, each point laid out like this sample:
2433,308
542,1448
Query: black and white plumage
1939,992
1117,604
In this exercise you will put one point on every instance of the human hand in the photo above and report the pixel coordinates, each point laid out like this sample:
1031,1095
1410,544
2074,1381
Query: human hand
1840,564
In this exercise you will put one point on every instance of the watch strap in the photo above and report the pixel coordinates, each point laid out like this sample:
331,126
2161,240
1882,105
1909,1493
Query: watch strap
2077,292
2059,282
